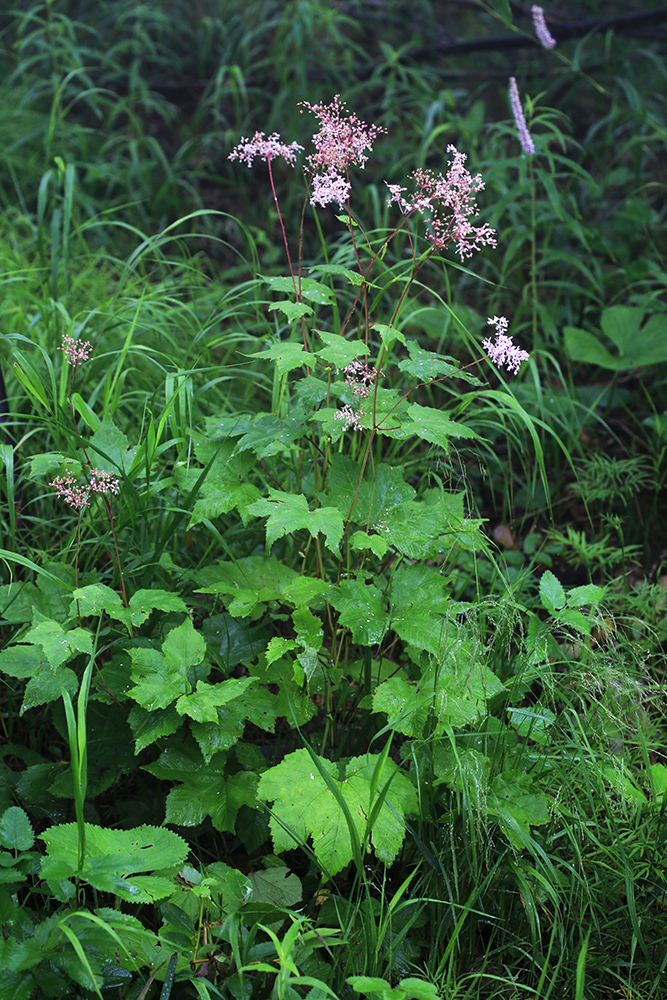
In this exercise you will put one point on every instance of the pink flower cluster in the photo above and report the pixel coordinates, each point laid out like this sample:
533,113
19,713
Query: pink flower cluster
360,378
342,141
78,496
76,351
503,352
351,418
266,149
451,203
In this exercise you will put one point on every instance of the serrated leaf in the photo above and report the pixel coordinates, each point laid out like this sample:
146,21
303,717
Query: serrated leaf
305,807
203,704
277,886
160,676
364,542
277,648
589,593
147,727
271,435
426,365
291,310
309,288
532,723
50,462
339,351
388,335
287,356
375,495
287,512
112,449
115,858
552,593
513,798
435,427
211,793
363,609
405,705
16,833
352,276
59,645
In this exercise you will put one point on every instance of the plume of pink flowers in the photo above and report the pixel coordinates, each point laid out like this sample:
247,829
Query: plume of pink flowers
503,352
450,201
77,496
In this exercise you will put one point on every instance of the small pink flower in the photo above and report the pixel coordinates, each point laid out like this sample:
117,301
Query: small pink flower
67,488
450,200
104,482
360,377
527,144
544,35
265,149
503,352
76,351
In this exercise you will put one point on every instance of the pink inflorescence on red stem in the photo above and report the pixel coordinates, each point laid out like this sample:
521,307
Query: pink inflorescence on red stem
78,496
341,142
351,418
527,144
360,377
265,149
544,35
76,351
451,203
503,352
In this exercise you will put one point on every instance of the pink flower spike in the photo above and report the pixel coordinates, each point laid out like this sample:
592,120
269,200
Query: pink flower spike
351,419
544,35
503,352
329,187
76,351
67,488
266,149
527,144
104,482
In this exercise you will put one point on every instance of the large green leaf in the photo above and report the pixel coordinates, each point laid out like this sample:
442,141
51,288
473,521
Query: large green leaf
304,806
637,346
515,800
113,452
287,512
160,676
46,647
363,609
340,351
114,859
287,355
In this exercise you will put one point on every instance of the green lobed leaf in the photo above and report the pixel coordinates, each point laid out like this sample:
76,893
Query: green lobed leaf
304,806
291,310
338,350
203,704
160,676
287,512
287,355
514,798
363,609
552,593
112,448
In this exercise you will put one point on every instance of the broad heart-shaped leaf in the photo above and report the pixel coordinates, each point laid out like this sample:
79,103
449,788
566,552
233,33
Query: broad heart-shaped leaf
419,600
426,365
363,610
16,832
305,807
339,351
409,988
287,355
287,512
637,346
160,676
114,857
516,801
276,885
433,525
112,448
460,682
